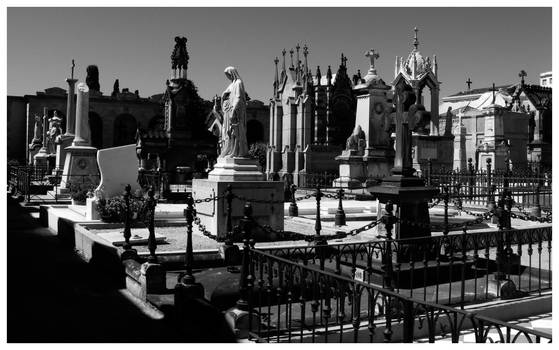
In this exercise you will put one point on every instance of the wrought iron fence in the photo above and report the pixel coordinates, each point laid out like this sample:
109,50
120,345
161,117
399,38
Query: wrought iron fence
292,302
529,188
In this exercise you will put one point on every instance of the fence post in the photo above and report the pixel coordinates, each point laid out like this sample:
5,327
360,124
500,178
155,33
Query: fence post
388,220
28,185
429,171
409,319
339,219
471,181
229,251
319,241
240,316
446,198
152,243
537,209
293,210
126,233
187,286
490,199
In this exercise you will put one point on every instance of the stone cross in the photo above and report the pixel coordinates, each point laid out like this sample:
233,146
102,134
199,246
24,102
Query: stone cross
493,89
372,55
73,65
468,82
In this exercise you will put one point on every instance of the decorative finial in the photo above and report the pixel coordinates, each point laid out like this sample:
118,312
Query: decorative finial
372,55
73,65
283,64
318,75
415,41
344,60
329,76
493,89
469,83
291,54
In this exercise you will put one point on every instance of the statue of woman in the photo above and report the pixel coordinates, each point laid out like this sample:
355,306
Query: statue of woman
233,105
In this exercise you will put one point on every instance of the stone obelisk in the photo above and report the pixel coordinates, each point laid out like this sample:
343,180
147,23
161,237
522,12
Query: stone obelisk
80,165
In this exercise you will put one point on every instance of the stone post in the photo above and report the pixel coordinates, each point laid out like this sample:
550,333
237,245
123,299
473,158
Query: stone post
81,137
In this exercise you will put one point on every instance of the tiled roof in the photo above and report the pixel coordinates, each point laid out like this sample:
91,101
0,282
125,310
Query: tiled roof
479,91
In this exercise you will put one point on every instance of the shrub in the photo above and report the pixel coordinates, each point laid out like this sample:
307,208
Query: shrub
113,210
80,192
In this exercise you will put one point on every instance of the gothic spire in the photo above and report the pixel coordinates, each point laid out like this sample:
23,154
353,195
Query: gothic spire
318,75
276,77
329,75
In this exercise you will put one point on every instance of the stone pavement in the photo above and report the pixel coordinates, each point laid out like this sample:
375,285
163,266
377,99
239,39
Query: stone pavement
54,296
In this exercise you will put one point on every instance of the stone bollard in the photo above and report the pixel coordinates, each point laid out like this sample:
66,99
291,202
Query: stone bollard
152,243
537,209
240,317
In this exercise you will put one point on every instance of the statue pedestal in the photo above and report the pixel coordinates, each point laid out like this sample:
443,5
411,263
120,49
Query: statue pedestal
80,167
41,158
247,183
379,162
352,169
236,169
411,196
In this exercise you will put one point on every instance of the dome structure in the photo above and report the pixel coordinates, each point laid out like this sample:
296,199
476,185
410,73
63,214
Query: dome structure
416,65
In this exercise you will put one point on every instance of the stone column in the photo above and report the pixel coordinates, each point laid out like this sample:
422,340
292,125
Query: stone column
81,137
70,108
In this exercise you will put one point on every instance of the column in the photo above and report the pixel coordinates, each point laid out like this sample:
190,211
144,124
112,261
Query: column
70,109
82,115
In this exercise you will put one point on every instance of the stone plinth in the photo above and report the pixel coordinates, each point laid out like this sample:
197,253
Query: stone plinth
213,215
440,149
352,169
236,169
64,142
80,166
411,196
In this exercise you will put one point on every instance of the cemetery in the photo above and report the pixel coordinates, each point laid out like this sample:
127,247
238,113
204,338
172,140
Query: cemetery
369,236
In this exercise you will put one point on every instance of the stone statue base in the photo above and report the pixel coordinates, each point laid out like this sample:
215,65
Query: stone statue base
213,215
351,169
80,167
236,169
64,142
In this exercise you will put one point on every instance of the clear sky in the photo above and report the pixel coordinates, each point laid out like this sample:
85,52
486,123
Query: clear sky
134,44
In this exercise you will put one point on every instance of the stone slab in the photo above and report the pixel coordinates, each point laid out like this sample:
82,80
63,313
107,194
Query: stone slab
116,238
213,214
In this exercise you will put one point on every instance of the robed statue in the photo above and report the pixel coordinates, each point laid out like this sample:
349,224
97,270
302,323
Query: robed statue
233,106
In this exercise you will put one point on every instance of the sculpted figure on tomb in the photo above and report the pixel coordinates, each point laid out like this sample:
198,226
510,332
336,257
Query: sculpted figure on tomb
356,142
233,106
54,132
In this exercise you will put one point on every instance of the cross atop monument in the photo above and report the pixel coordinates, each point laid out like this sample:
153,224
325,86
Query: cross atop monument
469,83
522,74
73,65
415,41
493,89
372,55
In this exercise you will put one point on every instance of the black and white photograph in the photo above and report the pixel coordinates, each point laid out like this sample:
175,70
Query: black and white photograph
277,172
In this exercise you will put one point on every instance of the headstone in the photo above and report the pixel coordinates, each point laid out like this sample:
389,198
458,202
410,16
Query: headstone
118,167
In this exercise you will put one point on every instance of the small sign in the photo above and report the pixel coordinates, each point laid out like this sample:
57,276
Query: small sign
359,275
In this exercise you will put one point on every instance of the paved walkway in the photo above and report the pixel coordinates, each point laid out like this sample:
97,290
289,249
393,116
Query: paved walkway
54,296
